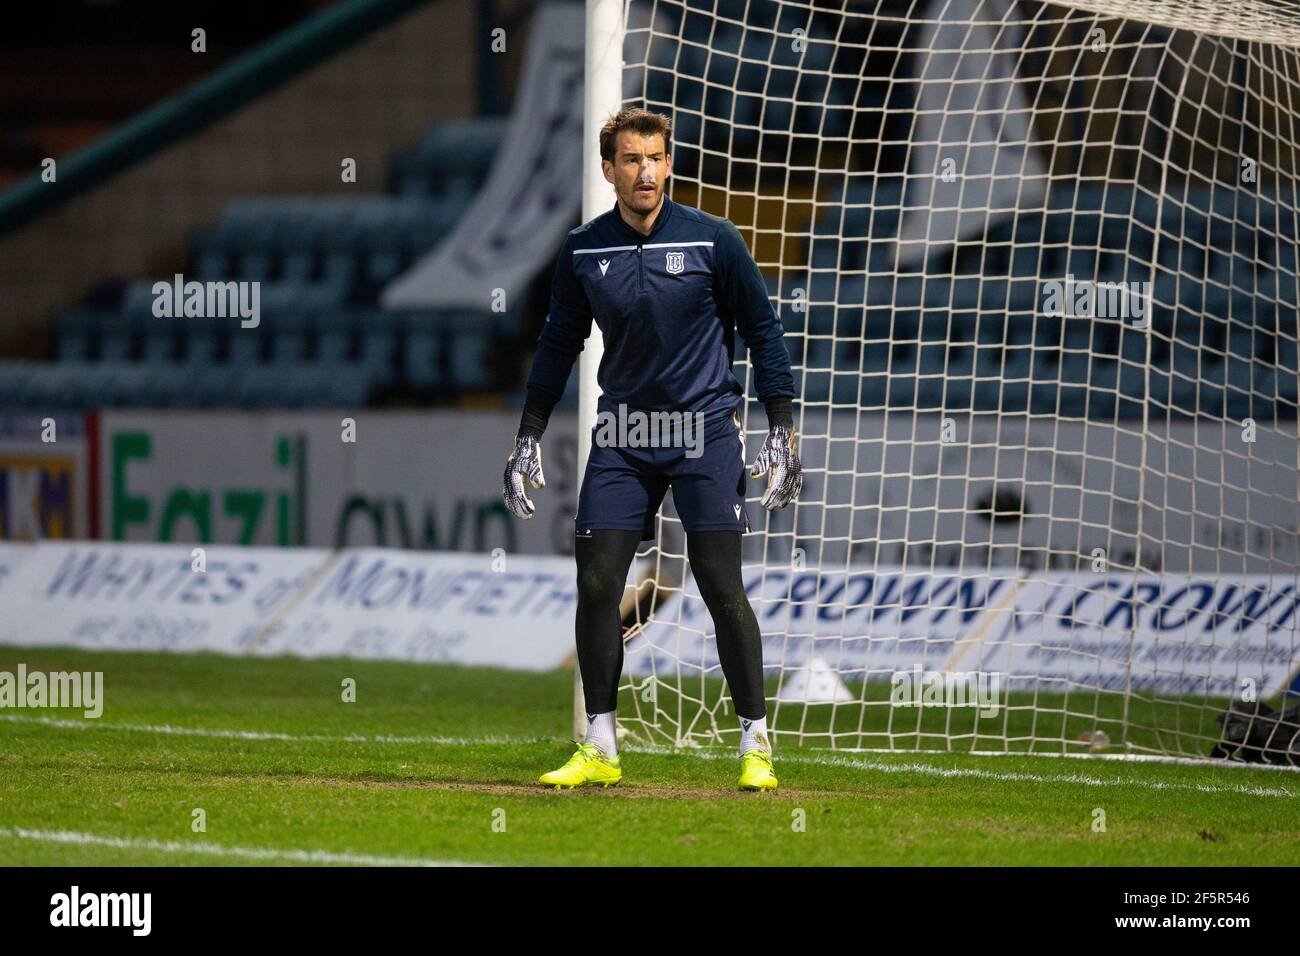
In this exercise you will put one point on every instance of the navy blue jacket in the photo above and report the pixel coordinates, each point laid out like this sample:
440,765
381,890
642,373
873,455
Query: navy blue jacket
668,306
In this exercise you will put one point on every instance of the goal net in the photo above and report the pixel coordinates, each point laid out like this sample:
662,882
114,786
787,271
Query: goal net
1037,264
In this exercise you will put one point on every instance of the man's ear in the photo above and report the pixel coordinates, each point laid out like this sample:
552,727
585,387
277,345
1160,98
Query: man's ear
607,168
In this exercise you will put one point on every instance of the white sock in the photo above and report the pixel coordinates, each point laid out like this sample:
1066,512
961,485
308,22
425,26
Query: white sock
753,733
602,734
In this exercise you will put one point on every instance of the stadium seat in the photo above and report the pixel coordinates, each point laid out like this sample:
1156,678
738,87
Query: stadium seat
75,331
334,335
380,337
247,346
201,340
116,338
288,334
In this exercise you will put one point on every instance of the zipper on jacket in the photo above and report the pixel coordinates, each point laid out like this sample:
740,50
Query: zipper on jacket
640,270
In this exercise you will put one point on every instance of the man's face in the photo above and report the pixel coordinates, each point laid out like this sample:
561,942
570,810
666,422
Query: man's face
639,171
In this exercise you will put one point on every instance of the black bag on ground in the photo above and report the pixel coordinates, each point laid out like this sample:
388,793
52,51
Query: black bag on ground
1255,733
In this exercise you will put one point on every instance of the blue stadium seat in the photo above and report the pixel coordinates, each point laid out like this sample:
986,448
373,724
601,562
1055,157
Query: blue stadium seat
423,355
288,335
247,346
380,337
209,255
18,381
117,338
334,336
201,340
74,334
471,334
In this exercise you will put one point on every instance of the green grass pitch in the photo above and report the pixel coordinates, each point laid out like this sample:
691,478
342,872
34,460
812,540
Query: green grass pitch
437,763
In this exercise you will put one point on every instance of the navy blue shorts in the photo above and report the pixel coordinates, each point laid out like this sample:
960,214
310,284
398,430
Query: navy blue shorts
623,487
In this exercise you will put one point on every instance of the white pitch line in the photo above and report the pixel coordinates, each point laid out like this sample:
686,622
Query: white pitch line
1202,762
1009,776
217,849
88,724
828,761
1006,776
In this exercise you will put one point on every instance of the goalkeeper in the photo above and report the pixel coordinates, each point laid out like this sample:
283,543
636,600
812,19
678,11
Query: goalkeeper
669,286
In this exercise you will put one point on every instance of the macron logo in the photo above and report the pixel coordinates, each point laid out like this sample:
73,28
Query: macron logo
102,909
737,507
604,265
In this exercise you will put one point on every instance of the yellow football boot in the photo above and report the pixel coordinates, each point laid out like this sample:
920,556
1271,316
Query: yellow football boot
587,767
756,771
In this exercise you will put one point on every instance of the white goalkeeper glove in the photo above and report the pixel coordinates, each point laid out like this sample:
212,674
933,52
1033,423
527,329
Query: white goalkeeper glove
524,462
779,460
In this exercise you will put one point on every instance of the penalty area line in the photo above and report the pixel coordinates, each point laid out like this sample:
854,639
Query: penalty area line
217,849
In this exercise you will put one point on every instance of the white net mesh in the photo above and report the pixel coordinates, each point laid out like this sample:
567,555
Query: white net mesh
1038,269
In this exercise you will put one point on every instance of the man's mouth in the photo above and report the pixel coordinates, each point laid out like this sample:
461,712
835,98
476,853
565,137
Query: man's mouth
645,188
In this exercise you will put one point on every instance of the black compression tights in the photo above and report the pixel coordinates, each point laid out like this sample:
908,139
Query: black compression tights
603,562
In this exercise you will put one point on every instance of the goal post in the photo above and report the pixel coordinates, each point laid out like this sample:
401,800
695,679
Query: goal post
1039,269
602,97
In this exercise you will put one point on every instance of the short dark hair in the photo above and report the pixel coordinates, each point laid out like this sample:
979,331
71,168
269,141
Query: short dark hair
638,121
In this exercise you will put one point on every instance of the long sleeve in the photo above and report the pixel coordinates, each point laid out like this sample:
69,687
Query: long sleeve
567,326
538,405
740,290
